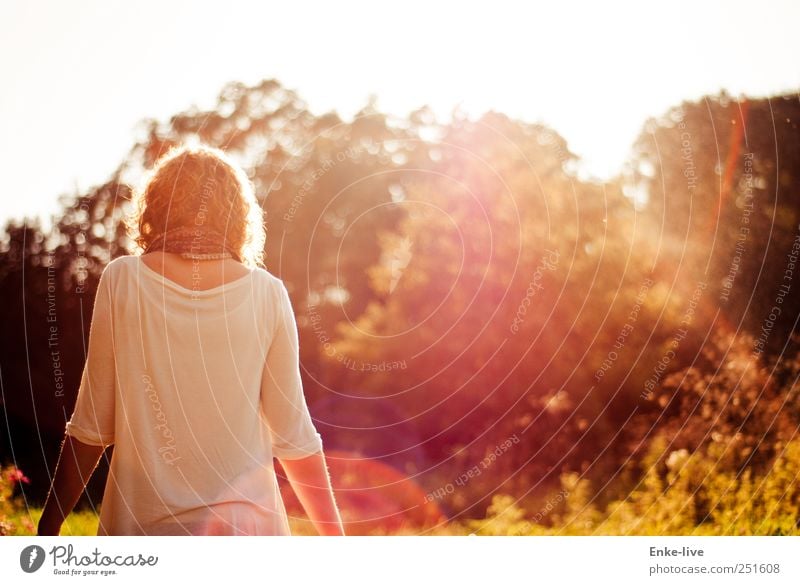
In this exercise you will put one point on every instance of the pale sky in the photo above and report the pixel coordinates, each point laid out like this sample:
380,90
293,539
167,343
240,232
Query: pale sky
78,76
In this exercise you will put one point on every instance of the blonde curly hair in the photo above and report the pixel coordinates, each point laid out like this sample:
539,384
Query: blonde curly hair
194,186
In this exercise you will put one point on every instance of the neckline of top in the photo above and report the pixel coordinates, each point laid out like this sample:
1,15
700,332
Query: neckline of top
194,292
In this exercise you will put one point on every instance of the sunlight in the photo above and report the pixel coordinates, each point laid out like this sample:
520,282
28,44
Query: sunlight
595,84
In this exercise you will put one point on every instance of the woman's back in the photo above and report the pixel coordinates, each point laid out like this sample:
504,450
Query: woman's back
193,371
206,390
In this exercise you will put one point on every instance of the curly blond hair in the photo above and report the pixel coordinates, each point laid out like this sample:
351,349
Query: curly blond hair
193,186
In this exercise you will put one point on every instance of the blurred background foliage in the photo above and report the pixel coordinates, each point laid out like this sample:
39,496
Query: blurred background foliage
458,284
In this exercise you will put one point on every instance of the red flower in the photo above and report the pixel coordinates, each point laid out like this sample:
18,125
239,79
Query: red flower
15,475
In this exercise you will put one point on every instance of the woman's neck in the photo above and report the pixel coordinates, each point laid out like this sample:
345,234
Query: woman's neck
199,274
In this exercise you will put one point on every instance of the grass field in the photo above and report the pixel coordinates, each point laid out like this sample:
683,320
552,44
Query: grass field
83,523
691,498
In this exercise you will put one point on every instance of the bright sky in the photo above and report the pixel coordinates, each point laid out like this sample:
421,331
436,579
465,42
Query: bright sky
78,76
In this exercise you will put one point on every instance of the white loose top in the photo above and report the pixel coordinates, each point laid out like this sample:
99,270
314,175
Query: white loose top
197,390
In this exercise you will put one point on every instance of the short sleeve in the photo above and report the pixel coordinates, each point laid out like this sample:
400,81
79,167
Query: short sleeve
92,420
282,401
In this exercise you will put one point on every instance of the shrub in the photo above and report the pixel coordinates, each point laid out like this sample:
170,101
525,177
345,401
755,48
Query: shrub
11,521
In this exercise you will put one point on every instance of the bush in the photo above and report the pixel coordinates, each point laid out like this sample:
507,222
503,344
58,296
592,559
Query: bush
11,521
681,493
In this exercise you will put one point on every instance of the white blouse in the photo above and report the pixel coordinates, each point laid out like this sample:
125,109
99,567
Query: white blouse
197,390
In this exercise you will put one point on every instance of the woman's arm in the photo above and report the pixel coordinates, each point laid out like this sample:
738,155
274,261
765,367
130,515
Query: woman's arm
310,481
295,441
91,428
75,465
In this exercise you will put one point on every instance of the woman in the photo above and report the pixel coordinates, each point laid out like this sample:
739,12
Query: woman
192,373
